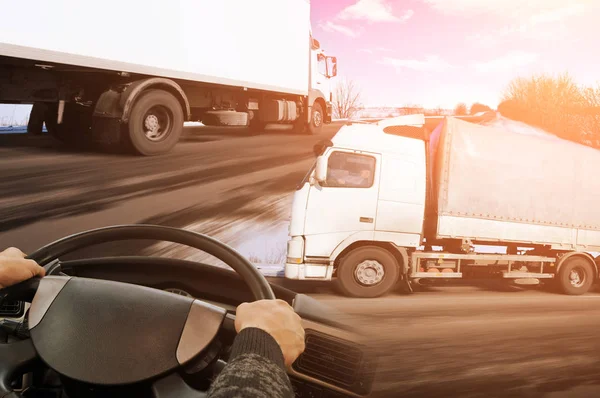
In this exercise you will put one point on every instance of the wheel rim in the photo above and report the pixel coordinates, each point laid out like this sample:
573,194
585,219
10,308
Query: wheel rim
157,123
577,277
369,273
317,118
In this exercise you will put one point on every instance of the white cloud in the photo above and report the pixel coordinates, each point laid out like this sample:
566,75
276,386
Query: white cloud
378,49
524,31
333,27
509,61
373,11
518,9
431,63
544,23
558,14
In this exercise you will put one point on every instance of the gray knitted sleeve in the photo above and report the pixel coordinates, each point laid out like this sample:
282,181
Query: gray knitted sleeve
255,369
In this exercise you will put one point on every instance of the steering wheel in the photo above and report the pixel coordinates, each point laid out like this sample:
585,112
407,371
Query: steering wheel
106,333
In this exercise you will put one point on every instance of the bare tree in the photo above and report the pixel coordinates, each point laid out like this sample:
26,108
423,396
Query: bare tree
439,111
346,100
461,109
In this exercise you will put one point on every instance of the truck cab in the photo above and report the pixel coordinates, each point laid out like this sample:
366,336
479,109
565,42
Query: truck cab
366,190
322,69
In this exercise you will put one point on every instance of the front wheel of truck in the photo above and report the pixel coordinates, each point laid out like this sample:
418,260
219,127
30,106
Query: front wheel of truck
367,272
317,118
155,123
575,276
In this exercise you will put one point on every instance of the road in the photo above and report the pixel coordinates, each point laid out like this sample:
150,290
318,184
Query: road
216,179
480,342
451,341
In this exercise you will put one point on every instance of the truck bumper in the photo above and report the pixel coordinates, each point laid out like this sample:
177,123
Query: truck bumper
313,272
296,268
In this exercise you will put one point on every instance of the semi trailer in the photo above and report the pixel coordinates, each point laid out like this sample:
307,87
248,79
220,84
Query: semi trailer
128,74
398,201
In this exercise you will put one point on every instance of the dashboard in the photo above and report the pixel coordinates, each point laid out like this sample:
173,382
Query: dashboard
334,364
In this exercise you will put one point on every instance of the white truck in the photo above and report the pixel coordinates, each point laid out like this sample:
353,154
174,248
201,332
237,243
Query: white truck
129,73
394,201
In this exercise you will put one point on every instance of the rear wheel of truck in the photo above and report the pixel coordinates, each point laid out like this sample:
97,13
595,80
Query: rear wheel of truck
316,119
367,272
155,123
575,276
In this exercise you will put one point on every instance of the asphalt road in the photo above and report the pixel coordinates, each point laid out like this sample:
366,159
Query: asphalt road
481,341
447,342
48,192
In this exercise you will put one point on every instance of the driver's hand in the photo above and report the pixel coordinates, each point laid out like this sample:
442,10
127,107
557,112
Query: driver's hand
14,268
277,318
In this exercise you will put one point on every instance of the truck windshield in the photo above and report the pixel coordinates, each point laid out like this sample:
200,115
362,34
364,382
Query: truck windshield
350,170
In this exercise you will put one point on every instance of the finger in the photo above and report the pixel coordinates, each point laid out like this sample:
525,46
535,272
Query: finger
13,252
33,268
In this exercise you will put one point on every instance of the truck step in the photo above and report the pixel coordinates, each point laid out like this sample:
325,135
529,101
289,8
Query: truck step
438,275
525,275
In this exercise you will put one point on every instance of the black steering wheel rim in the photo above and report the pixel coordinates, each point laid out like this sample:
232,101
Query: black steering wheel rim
24,352
257,283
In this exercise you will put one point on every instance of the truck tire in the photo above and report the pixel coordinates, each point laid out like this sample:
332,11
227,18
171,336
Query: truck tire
225,118
367,272
155,123
575,277
316,119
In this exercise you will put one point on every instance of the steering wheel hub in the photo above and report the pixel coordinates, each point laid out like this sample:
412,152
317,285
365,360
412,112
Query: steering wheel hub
143,332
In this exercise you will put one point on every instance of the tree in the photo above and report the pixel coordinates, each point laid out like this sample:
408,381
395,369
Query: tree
557,104
461,109
478,107
346,100
439,111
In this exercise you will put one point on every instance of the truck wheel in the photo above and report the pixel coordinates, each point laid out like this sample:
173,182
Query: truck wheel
367,272
155,123
575,276
225,118
316,119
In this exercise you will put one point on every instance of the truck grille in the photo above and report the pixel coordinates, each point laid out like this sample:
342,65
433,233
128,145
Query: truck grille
12,309
335,361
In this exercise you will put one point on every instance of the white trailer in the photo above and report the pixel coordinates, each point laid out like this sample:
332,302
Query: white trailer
131,72
382,196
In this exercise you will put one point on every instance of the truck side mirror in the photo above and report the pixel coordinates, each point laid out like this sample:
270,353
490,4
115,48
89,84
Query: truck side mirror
321,169
320,147
331,66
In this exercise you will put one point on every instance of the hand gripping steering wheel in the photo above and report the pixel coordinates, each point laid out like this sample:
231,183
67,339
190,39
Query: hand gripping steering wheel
107,333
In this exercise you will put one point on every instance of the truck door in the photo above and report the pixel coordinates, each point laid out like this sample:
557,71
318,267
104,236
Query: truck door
345,204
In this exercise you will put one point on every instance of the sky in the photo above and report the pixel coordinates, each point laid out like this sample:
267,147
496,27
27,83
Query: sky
440,52
436,53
